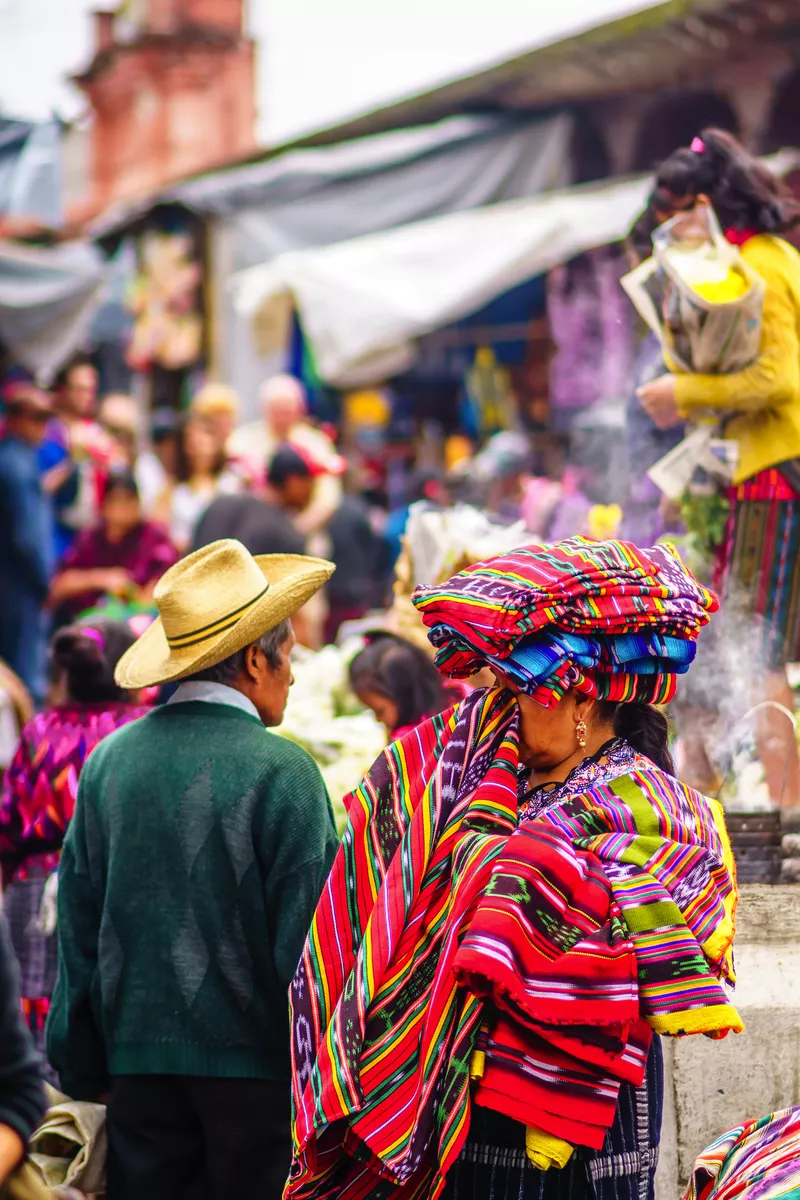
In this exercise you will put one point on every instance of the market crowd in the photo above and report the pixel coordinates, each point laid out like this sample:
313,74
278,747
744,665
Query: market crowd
94,507
529,894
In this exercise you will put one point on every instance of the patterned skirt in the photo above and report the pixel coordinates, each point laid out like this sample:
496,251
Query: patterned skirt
37,954
759,570
494,1165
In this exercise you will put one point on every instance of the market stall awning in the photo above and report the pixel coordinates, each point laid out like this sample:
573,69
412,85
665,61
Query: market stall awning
48,296
363,302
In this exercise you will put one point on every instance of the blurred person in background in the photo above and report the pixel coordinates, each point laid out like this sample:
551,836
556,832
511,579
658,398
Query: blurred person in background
119,418
427,485
22,1098
220,404
76,452
124,555
268,523
202,475
264,522
398,681
157,465
357,550
759,569
26,536
38,796
503,467
285,419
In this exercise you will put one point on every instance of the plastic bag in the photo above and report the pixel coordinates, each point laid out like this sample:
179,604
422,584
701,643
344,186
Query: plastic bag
699,296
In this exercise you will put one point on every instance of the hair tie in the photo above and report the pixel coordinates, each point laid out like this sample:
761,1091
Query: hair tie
94,635
698,145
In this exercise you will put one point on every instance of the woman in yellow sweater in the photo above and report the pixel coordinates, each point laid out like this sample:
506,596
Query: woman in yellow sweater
759,570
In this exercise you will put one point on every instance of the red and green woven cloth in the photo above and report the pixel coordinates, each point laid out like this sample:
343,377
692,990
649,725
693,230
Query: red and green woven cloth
445,928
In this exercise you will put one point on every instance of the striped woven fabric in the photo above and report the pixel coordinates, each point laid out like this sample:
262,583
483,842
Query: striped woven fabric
758,1161
604,617
438,902
759,573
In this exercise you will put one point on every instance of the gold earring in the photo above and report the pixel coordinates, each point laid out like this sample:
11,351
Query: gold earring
581,730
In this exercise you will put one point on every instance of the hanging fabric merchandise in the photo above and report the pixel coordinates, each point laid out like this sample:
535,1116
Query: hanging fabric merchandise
592,330
488,393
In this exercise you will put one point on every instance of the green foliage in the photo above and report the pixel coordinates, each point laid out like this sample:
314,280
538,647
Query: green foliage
705,515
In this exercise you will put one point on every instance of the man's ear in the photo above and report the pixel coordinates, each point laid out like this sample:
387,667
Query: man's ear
251,662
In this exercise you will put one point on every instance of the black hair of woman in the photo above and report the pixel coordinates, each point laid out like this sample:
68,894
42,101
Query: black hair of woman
398,681
121,479
640,236
84,656
744,194
644,727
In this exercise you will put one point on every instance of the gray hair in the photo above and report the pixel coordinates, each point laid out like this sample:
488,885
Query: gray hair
271,643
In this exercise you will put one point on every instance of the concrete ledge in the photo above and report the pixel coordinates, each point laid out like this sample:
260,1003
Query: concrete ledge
714,1086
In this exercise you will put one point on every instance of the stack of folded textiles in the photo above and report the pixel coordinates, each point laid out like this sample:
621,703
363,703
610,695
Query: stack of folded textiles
461,954
606,618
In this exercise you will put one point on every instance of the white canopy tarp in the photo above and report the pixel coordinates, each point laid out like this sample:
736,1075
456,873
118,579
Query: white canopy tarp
363,302
48,296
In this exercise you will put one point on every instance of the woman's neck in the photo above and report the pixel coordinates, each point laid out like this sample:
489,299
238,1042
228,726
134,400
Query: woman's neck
557,774
202,479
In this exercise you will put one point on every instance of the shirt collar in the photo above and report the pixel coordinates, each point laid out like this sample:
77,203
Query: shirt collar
214,693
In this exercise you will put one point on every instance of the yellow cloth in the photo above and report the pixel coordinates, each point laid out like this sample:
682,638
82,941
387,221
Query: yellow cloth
477,1065
546,1151
722,291
766,394
543,1149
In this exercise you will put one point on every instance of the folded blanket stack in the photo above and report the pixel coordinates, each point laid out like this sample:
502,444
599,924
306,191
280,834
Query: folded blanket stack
606,618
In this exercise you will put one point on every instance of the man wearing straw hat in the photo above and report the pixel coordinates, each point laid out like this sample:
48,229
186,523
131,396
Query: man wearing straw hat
194,861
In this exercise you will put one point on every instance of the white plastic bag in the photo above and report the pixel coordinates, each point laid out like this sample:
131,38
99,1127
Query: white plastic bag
691,256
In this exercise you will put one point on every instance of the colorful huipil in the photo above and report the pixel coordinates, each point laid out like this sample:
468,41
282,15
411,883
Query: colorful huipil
454,940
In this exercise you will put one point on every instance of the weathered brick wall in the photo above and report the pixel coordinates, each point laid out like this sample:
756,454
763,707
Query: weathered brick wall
170,107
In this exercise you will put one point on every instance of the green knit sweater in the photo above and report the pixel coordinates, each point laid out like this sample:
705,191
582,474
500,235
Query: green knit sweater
190,873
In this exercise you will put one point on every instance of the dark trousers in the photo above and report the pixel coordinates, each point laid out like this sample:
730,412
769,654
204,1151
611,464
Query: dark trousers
174,1137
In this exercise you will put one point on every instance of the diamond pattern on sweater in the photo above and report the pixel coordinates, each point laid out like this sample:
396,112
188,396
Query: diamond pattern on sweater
190,958
194,816
235,961
237,832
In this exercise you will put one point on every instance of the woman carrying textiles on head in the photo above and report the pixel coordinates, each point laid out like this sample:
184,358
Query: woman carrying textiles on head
525,895
760,558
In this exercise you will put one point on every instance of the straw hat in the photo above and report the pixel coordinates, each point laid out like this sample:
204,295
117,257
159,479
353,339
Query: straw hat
214,602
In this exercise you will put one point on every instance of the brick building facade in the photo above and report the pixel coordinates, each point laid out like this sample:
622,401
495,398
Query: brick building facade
171,87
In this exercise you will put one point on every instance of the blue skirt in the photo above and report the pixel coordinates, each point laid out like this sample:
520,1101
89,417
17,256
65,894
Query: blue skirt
494,1165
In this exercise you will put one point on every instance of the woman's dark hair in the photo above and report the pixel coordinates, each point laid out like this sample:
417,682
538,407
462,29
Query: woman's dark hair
86,655
120,479
744,193
402,673
640,235
183,470
643,727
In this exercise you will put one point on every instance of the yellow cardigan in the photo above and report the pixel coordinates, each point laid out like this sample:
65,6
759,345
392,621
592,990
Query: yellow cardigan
766,395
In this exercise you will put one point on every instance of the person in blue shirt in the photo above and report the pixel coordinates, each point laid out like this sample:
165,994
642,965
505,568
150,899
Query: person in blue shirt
26,537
